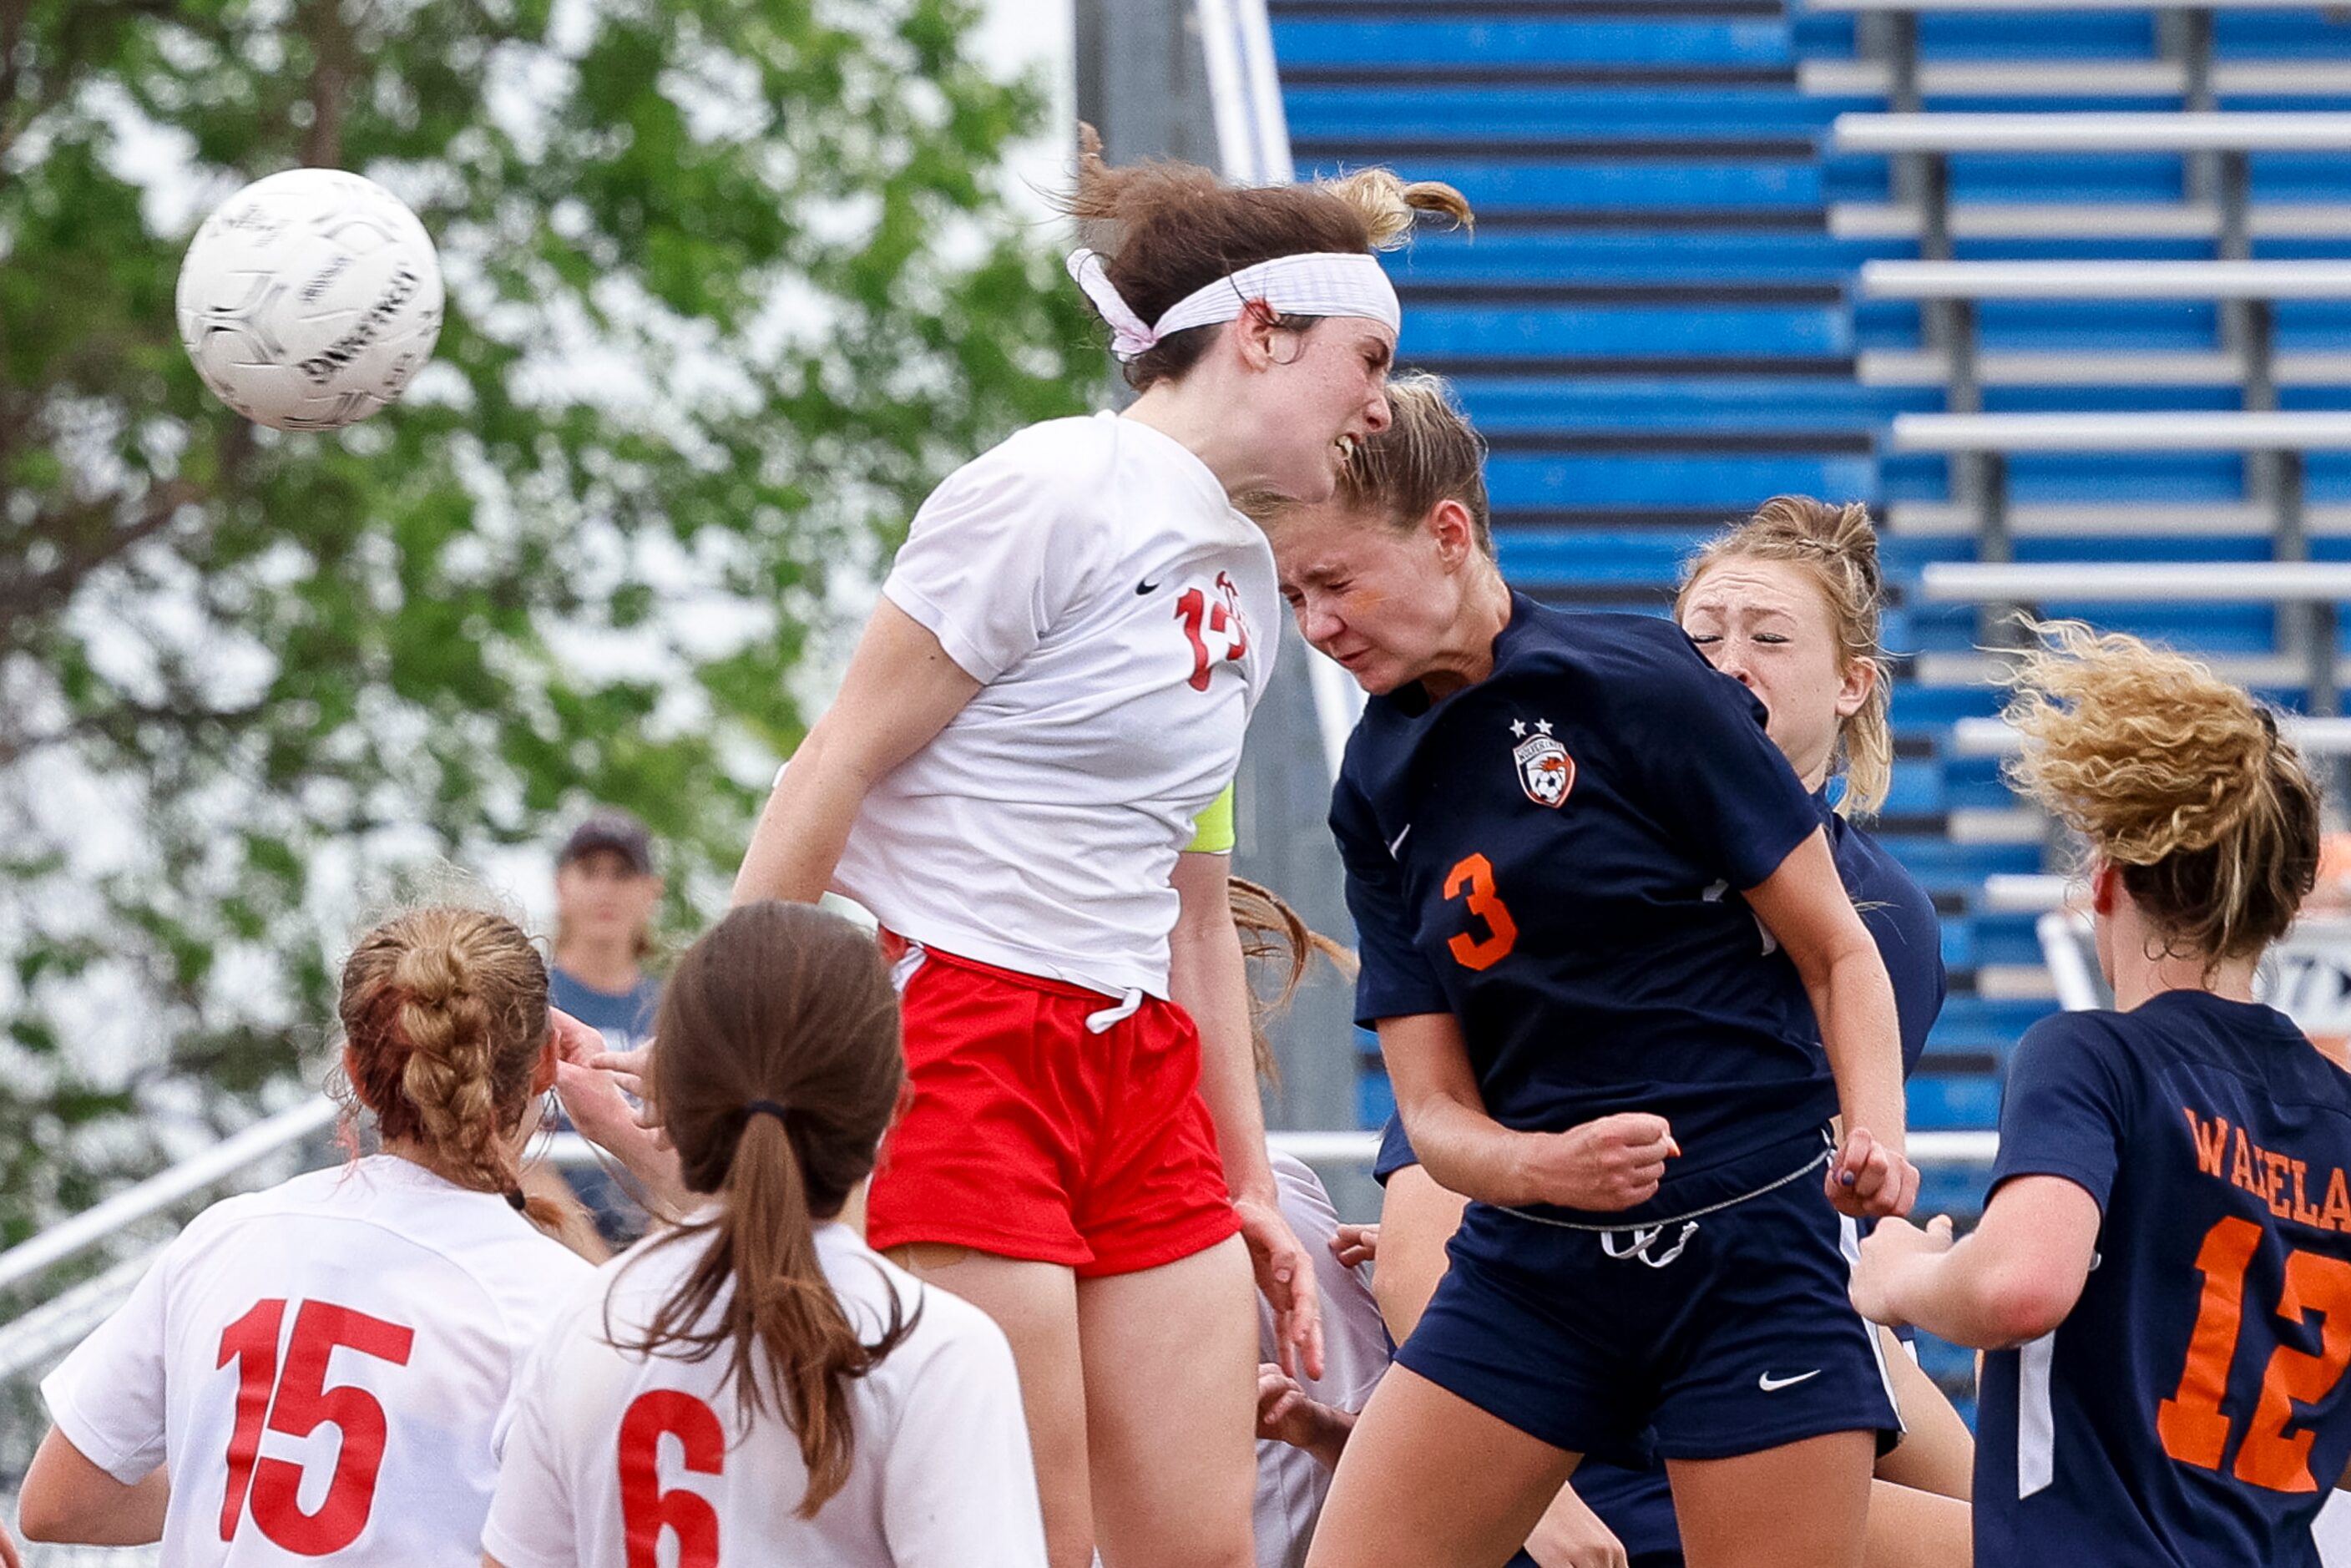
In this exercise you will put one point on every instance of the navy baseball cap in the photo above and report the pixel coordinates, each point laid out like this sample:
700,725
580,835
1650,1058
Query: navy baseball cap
610,828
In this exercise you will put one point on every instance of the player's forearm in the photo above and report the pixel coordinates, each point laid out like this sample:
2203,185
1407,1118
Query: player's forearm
803,829
1973,1295
1855,1003
1465,1151
1330,1429
1209,979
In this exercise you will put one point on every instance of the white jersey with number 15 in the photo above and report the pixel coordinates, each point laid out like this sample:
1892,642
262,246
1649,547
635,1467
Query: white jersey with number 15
320,1366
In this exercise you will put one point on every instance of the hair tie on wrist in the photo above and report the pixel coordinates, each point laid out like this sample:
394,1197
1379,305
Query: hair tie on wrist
764,1108
516,1201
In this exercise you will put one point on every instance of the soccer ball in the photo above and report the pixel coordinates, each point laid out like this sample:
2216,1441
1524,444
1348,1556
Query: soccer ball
310,299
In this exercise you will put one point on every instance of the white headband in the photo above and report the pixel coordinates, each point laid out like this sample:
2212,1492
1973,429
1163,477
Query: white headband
1323,283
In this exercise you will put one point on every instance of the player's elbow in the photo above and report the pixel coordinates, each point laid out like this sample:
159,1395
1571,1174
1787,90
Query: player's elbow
43,1513
2019,1303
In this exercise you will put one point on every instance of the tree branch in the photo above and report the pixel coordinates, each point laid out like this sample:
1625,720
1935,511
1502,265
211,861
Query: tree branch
330,83
27,594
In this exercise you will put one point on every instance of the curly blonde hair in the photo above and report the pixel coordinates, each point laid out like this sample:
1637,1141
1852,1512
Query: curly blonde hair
1166,229
1837,548
2174,775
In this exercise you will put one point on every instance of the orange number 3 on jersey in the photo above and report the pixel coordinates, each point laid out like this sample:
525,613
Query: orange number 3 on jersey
1474,875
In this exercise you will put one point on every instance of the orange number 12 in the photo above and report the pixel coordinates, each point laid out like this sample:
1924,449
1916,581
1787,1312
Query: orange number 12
1474,875
2190,1423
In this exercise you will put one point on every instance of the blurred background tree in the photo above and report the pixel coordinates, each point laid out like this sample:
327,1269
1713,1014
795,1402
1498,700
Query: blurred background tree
731,284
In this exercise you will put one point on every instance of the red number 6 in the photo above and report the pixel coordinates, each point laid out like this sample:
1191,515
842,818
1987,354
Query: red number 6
645,1509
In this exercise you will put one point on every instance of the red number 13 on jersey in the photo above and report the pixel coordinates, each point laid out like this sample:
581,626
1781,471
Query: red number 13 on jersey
1222,619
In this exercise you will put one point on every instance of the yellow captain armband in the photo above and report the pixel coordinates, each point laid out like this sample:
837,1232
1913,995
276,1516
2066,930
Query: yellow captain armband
1212,833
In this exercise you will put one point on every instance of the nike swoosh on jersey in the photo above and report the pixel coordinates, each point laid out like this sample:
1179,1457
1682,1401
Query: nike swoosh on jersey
1771,1385
1147,586
1396,844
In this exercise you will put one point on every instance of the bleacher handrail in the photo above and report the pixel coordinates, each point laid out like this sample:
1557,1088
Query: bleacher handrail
1252,131
159,1192
2136,431
1894,279
2093,130
2135,583
1990,737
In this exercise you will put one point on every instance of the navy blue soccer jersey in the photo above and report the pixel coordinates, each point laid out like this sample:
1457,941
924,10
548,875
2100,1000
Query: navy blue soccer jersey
1554,855
1899,916
2191,1408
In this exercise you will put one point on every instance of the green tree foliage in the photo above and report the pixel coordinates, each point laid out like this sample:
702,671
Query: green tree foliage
732,284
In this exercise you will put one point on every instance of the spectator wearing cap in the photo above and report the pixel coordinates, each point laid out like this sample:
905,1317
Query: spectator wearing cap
606,891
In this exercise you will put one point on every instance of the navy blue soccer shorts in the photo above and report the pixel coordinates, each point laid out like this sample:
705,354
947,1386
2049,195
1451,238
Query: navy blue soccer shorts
1729,1333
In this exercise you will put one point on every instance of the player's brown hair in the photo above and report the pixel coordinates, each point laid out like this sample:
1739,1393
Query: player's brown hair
778,1072
1837,548
1167,229
2174,775
1274,934
444,1010
1429,453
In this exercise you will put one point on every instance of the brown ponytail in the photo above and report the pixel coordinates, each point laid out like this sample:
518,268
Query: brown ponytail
778,1072
1273,933
445,1014
1167,229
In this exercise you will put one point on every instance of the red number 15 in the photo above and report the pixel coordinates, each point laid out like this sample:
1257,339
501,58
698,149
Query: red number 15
297,1404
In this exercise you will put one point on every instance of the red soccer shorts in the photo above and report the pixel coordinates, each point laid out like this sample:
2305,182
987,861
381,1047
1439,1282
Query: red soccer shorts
1029,1136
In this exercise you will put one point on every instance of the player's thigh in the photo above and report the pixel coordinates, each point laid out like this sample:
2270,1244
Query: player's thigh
1936,1454
1036,1305
1418,1217
1802,1505
1912,1529
1170,1357
1429,1479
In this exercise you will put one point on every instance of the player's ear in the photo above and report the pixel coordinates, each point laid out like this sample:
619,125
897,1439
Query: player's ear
1456,533
542,1071
2106,885
1254,335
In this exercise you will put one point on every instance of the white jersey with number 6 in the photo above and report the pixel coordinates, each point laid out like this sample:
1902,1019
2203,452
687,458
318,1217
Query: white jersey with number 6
614,1459
322,1366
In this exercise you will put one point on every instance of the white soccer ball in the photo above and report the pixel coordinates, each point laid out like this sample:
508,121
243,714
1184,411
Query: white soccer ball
310,299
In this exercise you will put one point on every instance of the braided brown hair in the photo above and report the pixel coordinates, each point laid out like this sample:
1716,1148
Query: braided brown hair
445,1017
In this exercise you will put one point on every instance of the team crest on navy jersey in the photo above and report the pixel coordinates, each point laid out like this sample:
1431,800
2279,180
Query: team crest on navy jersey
1546,772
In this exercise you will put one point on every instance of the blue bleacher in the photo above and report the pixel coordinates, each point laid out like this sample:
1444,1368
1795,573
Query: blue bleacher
1656,327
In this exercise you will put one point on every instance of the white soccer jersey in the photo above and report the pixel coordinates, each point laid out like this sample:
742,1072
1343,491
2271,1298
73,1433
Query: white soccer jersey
321,1366
613,1460
1093,574
1290,1483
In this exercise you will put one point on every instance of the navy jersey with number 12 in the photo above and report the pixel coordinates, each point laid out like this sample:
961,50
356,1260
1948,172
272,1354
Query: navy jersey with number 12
2191,1410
